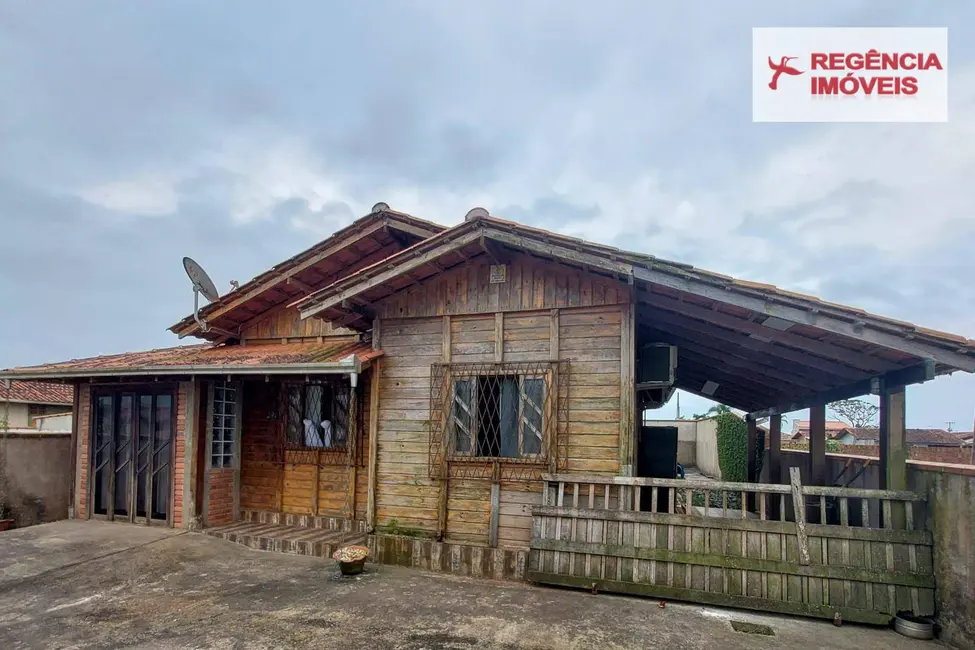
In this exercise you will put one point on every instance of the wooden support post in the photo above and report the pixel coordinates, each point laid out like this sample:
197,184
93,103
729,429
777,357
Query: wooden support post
627,388
499,336
373,441
443,484
774,459
817,444
553,336
495,514
893,445
495,505
752,467
752,447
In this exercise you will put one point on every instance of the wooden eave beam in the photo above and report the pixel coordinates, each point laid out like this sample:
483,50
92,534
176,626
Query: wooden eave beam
863,361
284,275
734,398
906,376
293,281
739,374
688,327
747,364
849,327
391,271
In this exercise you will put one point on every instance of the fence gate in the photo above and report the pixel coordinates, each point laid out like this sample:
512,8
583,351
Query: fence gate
812,551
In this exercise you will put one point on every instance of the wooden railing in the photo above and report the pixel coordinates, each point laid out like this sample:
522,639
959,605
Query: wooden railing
808,550
890,509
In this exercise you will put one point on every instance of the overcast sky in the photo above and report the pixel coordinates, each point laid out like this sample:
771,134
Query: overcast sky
133,133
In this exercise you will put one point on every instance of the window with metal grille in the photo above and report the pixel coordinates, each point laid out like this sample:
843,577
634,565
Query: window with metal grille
317,415
498,416
512,413
224,423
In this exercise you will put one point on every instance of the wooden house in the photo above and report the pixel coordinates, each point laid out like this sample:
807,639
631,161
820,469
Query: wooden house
403,377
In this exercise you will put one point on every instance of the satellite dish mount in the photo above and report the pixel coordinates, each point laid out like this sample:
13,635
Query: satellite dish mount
201,284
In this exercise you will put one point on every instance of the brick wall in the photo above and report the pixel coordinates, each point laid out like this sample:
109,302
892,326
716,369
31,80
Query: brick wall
179,457
220,505
84,435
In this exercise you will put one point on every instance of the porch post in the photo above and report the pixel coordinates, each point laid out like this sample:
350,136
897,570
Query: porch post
775,449
774,460
817,444
628,425
752,444
893,448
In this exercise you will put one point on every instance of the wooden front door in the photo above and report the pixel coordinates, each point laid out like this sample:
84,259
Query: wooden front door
132,436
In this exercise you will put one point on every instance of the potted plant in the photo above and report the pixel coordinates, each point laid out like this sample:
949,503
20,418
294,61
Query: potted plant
351,559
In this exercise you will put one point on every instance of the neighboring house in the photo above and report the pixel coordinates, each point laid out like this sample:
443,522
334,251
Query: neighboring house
24,401
36,450
800,429
424,378
913,437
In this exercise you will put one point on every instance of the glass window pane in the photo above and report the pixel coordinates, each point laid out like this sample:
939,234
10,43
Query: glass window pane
463,415
532,414
508,418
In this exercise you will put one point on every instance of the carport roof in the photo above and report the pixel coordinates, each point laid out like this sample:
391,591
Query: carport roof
767,349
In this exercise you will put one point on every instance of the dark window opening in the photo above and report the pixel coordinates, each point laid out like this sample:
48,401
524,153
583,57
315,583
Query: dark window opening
317,415
499,416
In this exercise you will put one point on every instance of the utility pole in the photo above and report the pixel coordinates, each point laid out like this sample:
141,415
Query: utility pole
949,423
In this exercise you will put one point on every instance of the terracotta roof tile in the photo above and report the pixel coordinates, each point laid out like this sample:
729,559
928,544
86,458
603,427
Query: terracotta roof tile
206,355
37,392
912,436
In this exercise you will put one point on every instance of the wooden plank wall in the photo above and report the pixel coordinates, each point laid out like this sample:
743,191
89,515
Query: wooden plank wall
588,335
531,285
285,322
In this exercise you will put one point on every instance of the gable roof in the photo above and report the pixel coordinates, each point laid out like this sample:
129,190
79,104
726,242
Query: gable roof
206,358
764,346
368,239
37,392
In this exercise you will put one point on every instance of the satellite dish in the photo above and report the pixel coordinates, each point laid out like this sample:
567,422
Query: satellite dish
380,207
476,213
201,281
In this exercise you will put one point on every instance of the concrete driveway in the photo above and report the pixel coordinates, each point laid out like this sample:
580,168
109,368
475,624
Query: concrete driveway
76,584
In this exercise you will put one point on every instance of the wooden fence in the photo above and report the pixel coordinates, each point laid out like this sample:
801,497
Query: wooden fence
808,550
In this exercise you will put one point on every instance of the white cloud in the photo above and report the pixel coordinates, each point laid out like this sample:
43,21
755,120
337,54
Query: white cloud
146,196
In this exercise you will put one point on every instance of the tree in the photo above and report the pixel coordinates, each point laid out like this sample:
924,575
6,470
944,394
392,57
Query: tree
717,409
856,412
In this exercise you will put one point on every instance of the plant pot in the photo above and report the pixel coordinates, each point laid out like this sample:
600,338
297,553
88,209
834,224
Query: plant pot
6,524
352,568
351,559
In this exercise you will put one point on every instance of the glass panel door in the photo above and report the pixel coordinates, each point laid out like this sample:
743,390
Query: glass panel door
132,435
162,436
142,454
123,455
102,452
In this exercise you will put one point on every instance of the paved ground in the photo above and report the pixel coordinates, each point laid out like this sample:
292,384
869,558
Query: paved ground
89,584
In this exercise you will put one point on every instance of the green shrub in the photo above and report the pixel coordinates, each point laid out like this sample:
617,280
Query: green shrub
732,434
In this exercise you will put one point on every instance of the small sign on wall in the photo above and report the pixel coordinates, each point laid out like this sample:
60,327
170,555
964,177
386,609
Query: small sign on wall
499,273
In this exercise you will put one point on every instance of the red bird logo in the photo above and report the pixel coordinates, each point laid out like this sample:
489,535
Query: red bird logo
783,66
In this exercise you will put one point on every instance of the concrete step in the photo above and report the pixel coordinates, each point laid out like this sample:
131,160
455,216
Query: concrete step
298,540
323,522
